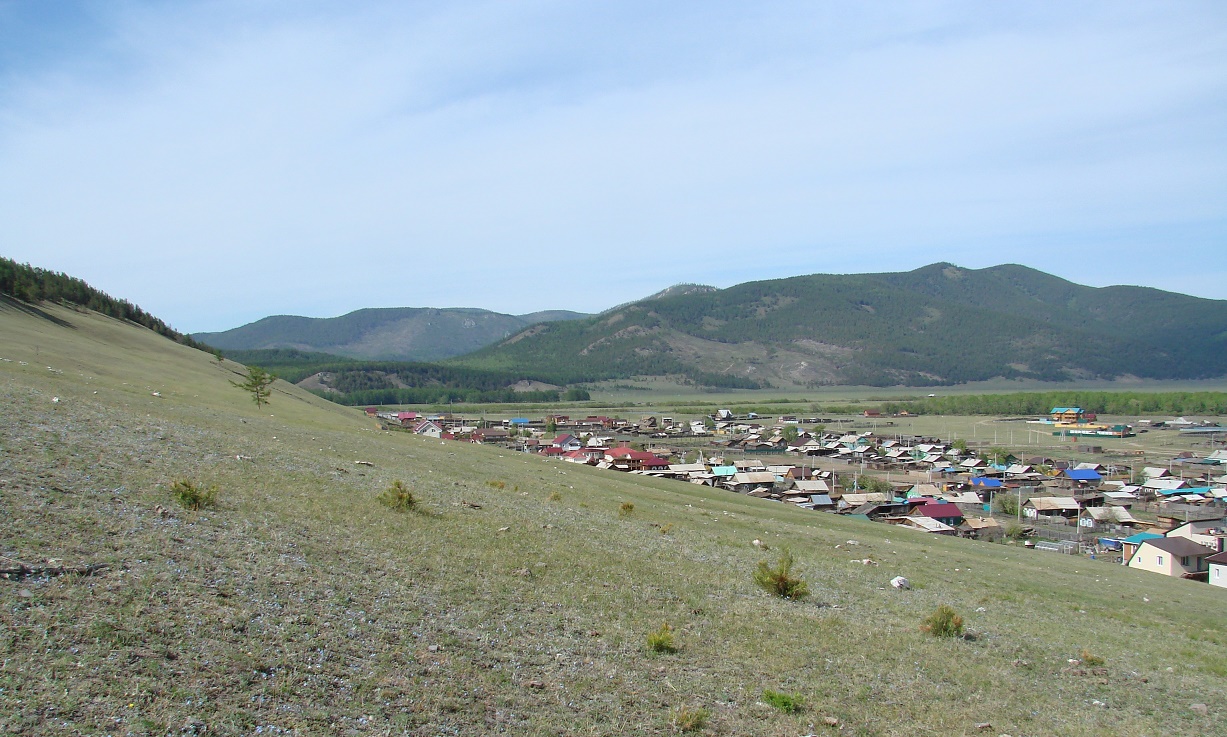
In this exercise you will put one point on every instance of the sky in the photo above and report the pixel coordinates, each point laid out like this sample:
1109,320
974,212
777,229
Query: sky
219,161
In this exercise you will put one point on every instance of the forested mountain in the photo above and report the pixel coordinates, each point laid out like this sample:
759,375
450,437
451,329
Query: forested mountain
392,334
25,286
940,324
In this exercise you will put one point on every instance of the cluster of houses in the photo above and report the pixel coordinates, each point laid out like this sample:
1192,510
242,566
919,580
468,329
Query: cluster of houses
1193,550
781,462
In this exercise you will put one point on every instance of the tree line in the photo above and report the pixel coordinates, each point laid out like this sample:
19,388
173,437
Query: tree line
32,285
1040,403
446,395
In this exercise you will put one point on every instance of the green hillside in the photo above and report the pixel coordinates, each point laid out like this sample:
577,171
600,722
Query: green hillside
517,598
936,325
390,334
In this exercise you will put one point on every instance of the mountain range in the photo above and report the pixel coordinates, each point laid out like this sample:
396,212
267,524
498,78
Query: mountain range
939,324
386,334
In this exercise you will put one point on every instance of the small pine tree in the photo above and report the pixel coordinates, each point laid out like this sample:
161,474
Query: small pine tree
398,497
778,579
258,383
943,622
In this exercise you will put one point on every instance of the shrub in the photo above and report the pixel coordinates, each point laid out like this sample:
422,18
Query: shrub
666,528
689,718
397,497
626,508
555,496
661,641
787,703
1006,504
1014,531
191,496
778,579
497,484
1089,658
943,622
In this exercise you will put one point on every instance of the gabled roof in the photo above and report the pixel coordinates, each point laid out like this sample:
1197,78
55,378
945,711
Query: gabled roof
938,511
1218,559
962,497
925,524
1083,474
859,499
1110,514
1167,483
1140,538
1179,546
754,477
986,482
1052,503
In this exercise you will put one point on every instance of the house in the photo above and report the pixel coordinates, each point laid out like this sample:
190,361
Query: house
1130,545
1038,507
923,524
489,435
1212,533
1066,415
1217,571
1100,517
747,480
1164,484
428,428
1083,476
981,528
1171,556
628,459
812,486
944,512
567,442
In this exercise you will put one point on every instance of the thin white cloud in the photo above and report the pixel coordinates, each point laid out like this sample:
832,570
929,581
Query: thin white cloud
219,161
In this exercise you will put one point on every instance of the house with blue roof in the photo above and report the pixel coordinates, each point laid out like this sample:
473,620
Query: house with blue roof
1130,545
1083,476
1069,415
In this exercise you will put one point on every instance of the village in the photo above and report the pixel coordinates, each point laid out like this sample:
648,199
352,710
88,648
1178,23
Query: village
1169,520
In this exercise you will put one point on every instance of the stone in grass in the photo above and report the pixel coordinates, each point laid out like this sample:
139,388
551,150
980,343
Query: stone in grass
900,583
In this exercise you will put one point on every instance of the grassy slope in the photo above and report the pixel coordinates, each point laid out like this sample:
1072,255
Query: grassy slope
303,604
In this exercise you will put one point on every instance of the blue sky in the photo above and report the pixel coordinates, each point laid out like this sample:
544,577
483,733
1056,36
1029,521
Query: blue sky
216,162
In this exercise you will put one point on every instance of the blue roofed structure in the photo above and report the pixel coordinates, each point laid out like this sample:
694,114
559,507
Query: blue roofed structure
1082,474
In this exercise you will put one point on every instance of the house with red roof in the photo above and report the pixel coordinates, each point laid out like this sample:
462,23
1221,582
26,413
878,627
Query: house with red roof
428,428
944,512
567,442
629,459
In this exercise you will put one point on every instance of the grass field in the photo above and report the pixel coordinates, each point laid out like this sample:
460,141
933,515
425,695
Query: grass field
517,598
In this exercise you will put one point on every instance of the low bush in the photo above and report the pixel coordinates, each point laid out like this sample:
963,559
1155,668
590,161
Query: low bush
191,496
627,508
555,496
1089,658
943,622
689,718
787,703
497,484
662,640
778,579
398,497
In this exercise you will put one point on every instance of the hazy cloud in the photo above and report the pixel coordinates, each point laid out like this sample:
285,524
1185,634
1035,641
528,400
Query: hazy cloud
216,162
